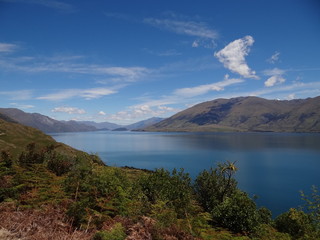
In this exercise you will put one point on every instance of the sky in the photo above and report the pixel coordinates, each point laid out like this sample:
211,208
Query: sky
125,61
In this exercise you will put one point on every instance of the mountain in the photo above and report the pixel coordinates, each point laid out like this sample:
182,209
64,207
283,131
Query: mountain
44,123
102,125
116,127
246,114
144,123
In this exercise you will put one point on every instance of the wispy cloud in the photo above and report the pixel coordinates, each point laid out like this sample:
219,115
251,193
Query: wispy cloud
166,53
70,64
22,106
87,94
203,89
69,110
274,58
59,5
200,30
274,71
140,112
233,57
18,94
7,47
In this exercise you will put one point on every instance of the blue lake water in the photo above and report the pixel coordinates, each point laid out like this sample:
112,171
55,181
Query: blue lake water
273,166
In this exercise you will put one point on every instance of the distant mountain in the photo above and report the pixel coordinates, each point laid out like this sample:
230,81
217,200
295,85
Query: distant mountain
121,129
144,123
113,126
102,125
246,114
44,123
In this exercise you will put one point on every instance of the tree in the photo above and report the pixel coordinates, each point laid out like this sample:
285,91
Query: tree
214,186
313,205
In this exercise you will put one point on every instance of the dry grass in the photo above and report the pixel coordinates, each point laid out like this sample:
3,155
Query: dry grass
38,224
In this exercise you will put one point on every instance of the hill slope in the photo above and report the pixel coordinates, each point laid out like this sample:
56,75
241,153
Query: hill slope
246,114
144,123
44,123
15,137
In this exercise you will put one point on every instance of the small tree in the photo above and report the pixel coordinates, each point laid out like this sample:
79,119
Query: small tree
313,205
214,186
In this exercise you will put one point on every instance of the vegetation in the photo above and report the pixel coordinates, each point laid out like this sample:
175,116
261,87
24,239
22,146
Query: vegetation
59,196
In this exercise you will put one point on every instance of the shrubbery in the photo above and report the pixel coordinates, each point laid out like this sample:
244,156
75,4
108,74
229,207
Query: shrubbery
92,196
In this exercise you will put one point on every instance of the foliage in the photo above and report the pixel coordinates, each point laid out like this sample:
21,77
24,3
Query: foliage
296,223
174,189
238,213
111,203
267,232
214,186
116,233
6,159
313,205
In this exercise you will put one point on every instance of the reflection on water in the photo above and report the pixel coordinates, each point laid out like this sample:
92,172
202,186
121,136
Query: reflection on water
273,166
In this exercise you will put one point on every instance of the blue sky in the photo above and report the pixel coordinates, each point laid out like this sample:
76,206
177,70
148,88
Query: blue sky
125,61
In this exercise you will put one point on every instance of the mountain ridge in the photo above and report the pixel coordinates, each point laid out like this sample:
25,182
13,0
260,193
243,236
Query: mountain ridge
44,123
246,114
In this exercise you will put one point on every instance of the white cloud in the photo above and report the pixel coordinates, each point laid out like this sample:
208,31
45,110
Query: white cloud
7,47
274,58
233,57
277,79
18,94
291,96
69,110
274,71
203,89
69,64
141,112
22,106
88,94
102,113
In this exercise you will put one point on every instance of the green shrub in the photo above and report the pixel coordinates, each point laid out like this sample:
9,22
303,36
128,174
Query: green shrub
267,232
214,186
296,223
173,188
238,213
116,233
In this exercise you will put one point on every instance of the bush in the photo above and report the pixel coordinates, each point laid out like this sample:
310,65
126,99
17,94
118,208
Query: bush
297,223
174,189
59,164
116,233
238,213
214,186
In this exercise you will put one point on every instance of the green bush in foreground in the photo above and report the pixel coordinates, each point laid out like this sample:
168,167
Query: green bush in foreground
116,233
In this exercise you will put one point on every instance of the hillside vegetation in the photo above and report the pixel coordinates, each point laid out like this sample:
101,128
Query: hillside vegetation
47,193
44,123
246,114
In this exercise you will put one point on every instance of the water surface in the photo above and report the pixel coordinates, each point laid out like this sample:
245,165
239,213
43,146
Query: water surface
273,166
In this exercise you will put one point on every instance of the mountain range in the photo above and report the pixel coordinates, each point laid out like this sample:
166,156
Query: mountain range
241,114
245,114
49,125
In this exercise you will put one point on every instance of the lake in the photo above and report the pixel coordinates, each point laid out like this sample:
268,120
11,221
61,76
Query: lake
273,166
